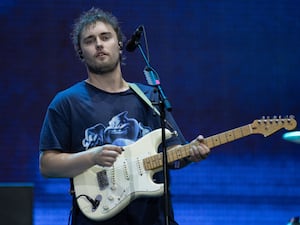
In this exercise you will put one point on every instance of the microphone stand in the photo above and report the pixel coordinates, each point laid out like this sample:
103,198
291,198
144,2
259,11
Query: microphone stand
164,105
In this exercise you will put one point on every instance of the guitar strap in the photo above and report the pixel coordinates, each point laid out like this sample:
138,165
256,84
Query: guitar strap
141,94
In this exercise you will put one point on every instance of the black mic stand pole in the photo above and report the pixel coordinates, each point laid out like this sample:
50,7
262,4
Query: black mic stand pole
164,104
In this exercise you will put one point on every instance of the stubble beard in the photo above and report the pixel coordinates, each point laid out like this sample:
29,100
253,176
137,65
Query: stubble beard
102,69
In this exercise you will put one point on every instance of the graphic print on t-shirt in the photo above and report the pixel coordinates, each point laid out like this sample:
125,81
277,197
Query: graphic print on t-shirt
120,131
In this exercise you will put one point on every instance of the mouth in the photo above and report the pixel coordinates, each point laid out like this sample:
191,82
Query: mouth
100,54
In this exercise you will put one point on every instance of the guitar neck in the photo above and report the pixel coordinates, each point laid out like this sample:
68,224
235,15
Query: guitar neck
228,136
156,161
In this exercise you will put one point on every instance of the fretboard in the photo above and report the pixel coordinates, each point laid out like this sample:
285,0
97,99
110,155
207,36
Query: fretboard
156,161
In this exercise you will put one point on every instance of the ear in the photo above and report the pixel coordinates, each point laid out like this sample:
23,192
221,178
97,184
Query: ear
80,54
120,45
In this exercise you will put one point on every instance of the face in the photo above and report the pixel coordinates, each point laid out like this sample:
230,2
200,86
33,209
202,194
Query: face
100,48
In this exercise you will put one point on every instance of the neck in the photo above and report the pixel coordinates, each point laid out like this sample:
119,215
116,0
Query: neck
110,82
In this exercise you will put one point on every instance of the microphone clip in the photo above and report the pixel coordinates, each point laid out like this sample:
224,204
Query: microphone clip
135,38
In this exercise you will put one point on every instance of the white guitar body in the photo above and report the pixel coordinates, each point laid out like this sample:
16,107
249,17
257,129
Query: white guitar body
115,187
103,192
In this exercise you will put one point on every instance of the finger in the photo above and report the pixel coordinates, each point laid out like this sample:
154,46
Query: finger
200,138
108,153
195,153
113,148
118,149
108,160
202,151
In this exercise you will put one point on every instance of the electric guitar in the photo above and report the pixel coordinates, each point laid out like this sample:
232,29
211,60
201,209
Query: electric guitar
102,192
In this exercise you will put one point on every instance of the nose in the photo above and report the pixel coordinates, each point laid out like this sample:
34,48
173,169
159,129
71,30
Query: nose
98,43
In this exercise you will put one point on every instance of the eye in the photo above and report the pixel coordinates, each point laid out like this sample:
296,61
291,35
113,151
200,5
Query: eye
89,41
105,37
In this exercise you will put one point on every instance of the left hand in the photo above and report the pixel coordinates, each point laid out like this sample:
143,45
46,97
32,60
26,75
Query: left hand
198,150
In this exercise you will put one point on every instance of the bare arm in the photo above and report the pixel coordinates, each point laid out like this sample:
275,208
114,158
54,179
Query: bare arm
54,163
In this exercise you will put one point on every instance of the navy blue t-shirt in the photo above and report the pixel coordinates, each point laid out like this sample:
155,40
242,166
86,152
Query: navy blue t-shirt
84,116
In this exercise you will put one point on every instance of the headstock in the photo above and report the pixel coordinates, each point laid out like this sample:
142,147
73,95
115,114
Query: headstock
267,126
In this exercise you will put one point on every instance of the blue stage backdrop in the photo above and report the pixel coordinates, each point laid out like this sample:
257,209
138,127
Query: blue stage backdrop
222,64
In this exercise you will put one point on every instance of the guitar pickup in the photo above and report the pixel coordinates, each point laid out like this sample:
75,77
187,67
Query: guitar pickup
102,179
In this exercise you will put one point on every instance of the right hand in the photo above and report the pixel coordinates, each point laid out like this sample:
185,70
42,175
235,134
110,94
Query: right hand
106,155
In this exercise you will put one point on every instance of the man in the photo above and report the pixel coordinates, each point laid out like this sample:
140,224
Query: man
88,123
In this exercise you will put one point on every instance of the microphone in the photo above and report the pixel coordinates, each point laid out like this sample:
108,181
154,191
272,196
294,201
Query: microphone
134,40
